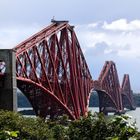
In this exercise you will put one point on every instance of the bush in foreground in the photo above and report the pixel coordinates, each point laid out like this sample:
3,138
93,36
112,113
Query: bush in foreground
28,128
14,126
97,127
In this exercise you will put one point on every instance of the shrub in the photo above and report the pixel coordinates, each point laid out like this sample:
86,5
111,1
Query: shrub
97,127
14,126
28,128
92,127
7,135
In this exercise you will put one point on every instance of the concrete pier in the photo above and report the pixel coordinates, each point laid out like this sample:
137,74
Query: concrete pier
8,96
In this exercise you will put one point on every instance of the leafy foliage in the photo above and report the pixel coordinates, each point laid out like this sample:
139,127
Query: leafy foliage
28,128
7,135
14,126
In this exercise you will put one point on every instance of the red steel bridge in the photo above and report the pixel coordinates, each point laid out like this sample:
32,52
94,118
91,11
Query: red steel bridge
53,74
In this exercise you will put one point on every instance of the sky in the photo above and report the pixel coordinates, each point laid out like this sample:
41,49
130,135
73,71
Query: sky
106,29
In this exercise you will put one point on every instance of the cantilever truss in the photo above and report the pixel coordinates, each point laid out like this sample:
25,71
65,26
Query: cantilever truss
52,72
127,93
108,88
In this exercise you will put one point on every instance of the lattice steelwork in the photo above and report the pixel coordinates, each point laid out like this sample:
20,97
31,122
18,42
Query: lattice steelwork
52,72
109,84
127,93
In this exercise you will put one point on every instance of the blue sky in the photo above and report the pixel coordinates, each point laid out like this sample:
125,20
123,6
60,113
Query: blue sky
107,30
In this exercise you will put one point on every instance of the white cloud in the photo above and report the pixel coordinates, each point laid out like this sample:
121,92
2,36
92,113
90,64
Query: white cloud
93,25
120,44
118,41
12,36
122,25
125,42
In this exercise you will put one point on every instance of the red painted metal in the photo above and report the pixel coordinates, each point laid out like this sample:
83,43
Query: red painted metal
108,88
52,72
127,93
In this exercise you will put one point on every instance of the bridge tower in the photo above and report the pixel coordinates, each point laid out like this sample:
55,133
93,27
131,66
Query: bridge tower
8,97
52,72
108,89
127,93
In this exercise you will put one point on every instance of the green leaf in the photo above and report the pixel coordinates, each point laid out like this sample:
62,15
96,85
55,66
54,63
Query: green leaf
14,134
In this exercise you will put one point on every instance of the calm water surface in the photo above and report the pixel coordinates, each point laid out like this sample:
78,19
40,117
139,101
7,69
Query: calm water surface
134,113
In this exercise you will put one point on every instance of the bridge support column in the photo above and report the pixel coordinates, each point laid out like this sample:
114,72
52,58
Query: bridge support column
8,96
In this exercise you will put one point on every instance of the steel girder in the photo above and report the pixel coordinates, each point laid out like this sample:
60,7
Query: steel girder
52,72
108,88
127,93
